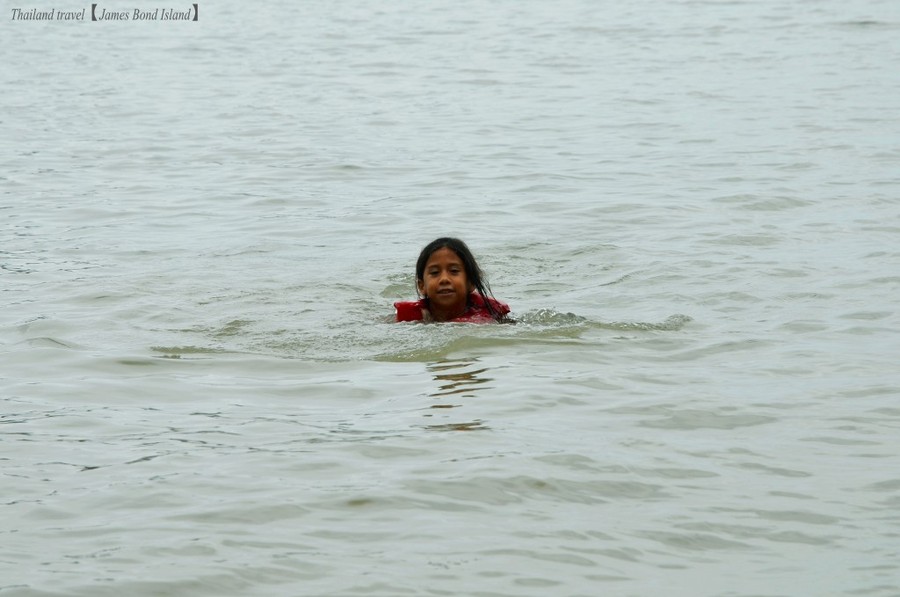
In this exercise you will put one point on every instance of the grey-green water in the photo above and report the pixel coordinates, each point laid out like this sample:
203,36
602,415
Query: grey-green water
692,208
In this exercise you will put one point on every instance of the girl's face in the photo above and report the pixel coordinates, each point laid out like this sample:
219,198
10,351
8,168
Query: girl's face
445,284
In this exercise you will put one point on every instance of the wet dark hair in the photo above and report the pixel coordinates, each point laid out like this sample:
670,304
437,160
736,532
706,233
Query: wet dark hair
474,275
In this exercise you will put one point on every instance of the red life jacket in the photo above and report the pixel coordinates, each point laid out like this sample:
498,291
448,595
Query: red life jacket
477,311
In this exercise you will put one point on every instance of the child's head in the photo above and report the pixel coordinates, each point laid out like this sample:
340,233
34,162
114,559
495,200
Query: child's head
449,255
474,276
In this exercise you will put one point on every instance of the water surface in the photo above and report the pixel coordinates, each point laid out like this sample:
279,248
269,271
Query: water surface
691,206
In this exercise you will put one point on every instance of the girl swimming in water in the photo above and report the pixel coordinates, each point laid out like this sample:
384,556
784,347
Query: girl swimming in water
451,287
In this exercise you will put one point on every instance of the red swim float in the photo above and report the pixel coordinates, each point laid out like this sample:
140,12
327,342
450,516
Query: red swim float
477,311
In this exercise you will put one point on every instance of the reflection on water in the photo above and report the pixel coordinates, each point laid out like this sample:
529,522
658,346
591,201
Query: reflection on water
475,425
457,377
452,381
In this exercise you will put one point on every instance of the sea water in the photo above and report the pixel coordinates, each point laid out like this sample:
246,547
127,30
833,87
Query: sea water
693,208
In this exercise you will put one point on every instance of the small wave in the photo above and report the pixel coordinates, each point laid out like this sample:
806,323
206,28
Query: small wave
671,324
383,340
48,342
866,24
543,326
551,318
177,352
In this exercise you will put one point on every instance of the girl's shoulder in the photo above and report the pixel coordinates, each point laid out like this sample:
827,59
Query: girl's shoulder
480,313
480,302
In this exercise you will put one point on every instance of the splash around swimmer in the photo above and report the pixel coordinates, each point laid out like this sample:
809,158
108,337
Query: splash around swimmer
451,288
